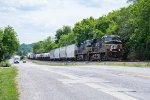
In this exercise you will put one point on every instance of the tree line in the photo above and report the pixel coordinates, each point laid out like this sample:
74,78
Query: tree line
131,23
8,42
24,49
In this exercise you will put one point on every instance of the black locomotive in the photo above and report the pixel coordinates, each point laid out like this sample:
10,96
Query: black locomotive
106,48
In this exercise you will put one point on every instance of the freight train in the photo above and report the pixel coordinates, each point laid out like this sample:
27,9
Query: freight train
108,48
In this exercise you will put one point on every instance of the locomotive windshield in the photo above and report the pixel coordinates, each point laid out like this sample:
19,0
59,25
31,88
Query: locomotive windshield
112,39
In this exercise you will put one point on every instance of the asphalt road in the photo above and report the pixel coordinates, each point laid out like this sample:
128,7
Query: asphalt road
43,82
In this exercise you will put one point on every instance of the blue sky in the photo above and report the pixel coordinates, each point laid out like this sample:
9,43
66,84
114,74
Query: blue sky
34,20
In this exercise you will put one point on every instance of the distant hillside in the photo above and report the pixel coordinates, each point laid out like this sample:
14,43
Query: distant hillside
24,49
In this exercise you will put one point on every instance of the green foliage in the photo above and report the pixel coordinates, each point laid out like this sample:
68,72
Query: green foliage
67,39
142,31
5,64
132,24
44,46
24,49
1,38
84,29
102,24
97,33
62,31
38,47
8,42
22,57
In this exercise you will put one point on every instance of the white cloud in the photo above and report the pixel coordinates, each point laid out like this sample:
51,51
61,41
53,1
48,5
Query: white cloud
34,20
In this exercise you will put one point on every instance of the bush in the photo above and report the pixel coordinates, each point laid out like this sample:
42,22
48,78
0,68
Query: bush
22,57
5,64
148,64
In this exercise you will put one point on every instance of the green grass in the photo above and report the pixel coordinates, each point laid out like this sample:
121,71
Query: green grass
125,64
8,89
55,64
147,65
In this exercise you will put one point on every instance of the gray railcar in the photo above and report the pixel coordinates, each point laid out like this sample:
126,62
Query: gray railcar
63,53
52,56
57,54
71,51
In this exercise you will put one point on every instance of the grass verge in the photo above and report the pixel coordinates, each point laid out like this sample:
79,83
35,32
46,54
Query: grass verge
55,64
125,64
130,64
8,86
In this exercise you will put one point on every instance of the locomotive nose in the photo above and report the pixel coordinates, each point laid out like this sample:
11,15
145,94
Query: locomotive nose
115,48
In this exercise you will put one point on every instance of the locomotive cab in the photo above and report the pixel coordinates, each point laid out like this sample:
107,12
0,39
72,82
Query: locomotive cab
112,47
112,43
88,46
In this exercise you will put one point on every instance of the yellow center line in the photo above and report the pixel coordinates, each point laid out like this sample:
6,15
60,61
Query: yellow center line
134,75
144,76
139,75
